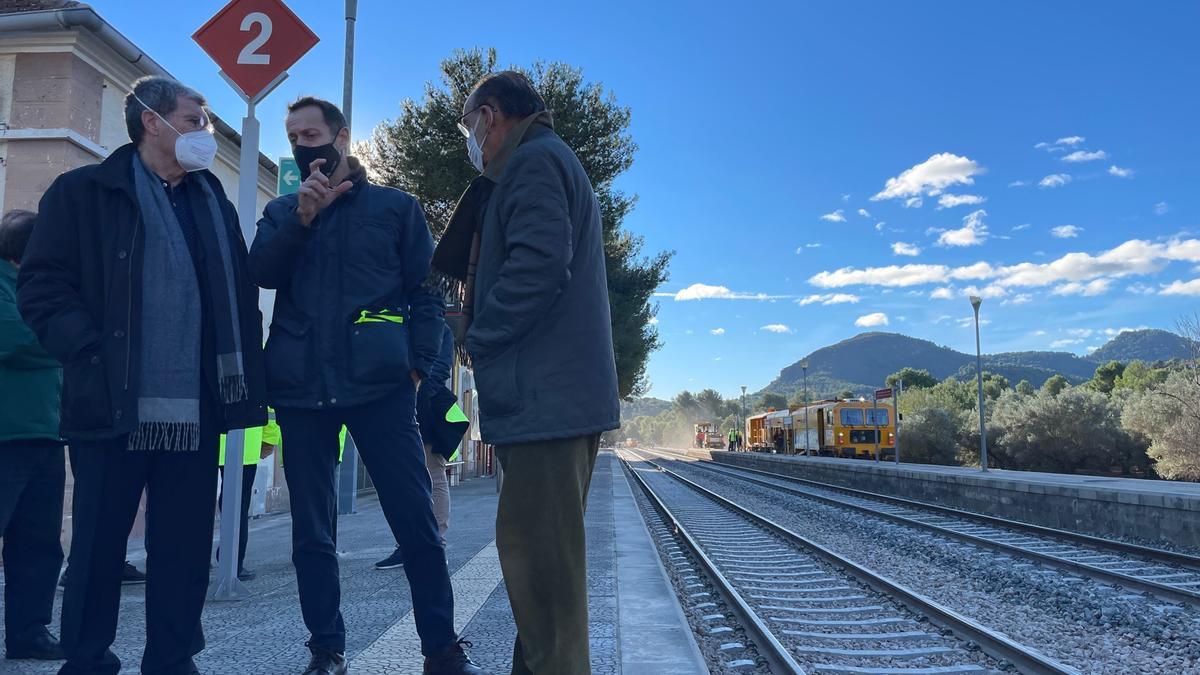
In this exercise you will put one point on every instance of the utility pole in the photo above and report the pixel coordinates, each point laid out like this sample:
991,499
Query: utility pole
975,302
804,369
743,428
896,412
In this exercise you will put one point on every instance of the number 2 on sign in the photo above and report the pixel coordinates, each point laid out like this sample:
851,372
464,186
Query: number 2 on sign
249,55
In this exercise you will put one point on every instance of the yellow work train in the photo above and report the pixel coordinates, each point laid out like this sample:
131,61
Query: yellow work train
835,428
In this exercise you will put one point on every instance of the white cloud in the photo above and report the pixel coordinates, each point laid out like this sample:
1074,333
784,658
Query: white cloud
948,201
969,322
717,331
1091,288
1140,288
1055,180
1018,183
1041,146
879,226
890,276
1161,208
864,213
776,328
1125,329
1179,287
913,203
973,232
1066,231
1080,332
829,299
1022,226
901,248
707,292
869,320
989,291
931,177
1018,299
943,293
1064,342
1038,332
800,248
835,217
845,197
1117,171
1070,140
1085,156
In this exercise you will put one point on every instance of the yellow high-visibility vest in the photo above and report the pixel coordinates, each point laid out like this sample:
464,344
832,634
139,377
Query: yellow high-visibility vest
253,442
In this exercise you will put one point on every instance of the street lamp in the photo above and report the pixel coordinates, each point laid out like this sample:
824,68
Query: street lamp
743,429
804,369
975,302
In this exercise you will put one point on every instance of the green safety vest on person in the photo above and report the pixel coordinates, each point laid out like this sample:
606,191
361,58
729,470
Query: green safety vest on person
253,442
455,415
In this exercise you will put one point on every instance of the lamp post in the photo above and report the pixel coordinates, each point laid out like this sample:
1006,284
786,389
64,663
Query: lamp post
804,369
975,302
743,429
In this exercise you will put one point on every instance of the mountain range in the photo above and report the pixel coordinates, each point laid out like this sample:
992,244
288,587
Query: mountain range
863,362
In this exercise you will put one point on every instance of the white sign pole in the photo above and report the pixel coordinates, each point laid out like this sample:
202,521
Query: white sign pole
228,587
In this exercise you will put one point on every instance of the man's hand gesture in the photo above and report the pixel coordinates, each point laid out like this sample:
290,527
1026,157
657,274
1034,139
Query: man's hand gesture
316,193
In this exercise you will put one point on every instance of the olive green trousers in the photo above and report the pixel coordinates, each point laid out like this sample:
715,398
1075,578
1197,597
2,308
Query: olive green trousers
543,551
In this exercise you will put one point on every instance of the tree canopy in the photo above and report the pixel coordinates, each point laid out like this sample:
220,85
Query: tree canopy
423,153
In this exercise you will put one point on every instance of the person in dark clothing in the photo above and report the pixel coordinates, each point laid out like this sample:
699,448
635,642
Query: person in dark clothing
434,401
32,463
538,331
355,330
135,279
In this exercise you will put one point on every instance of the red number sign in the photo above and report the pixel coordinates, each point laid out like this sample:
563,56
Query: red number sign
253,41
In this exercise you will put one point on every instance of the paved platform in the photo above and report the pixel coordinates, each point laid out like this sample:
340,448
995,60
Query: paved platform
637,625
1156,511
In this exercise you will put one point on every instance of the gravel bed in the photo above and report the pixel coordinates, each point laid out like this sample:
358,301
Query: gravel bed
690,582
1095,627
783,618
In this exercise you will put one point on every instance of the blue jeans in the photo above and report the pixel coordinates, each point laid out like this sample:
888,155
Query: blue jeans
385,433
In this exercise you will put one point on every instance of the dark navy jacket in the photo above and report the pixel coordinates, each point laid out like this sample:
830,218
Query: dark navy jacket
80,288
368,251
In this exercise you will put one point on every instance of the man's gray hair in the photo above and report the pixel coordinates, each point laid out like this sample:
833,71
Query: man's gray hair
160,94
15,228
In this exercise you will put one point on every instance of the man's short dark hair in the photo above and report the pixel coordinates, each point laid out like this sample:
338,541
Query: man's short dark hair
160,94
334,119
511,92
15,228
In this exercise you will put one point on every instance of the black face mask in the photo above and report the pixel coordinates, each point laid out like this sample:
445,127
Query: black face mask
305,156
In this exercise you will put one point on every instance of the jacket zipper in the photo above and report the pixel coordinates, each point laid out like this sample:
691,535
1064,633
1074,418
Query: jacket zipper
129,299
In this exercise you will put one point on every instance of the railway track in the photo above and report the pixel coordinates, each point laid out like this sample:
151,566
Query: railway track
810,610
1168,575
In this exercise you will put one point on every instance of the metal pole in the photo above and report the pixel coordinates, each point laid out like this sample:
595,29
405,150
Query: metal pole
806,444
896,412
347,483
875,420
228,586
979,381
348,76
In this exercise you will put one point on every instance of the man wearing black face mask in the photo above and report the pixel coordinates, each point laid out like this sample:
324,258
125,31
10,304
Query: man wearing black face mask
355,330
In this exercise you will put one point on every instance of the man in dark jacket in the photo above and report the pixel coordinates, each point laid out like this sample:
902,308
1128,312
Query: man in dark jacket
355,330
540,339
135,279
32,463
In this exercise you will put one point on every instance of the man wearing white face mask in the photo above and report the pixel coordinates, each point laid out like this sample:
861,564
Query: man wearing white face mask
136,280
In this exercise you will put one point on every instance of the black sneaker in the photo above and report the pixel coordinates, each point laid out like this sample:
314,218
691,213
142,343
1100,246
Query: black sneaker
247,575
38,645
452,661
131,576
326,662
396,559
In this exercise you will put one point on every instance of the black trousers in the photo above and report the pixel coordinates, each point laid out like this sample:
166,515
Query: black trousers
32,475
385,432
180,488
249,471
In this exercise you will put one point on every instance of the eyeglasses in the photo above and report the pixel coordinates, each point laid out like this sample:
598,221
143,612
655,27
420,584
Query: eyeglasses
462,121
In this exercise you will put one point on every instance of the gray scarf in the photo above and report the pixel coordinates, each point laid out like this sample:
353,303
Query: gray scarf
171,380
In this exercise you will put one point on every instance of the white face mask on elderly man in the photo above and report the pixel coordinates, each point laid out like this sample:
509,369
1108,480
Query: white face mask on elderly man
194,150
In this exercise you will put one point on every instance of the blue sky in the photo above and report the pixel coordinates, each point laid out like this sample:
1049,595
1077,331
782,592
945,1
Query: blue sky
764,129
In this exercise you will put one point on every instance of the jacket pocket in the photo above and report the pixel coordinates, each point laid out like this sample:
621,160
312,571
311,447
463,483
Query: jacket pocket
87,403
288,355
499,388
379,352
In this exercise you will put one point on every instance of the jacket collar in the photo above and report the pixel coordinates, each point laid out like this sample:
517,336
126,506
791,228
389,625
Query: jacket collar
494,171
116,171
